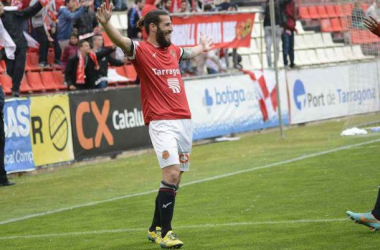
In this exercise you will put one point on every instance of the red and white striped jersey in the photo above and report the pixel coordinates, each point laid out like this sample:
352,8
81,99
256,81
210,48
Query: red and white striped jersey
163,94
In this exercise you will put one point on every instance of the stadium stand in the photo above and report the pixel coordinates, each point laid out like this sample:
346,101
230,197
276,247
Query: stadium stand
314,46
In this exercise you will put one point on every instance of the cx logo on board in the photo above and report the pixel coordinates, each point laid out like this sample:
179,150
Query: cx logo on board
102,130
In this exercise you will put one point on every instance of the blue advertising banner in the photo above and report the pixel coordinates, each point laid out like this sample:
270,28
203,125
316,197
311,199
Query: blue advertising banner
234,104
18,147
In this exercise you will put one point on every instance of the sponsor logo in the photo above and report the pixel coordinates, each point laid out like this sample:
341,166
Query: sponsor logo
166,205
91,108
223,97
174,85
58,128
127,119
299,94
329,97
17,122
166,72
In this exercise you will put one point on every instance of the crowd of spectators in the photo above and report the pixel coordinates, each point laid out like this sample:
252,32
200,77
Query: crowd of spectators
62,26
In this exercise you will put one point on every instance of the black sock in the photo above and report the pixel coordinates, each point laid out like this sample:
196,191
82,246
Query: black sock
166,201
156,217
376,210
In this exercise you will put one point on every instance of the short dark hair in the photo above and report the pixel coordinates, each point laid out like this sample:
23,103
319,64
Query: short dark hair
152,17
138,1
96,35
81,42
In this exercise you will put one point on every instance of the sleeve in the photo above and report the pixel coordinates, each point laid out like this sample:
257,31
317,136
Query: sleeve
30,11
135,47
114,62
178,52
104,52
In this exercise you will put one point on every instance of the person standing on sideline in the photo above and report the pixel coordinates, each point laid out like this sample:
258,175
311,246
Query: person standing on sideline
3,174
15,62
371,219
288,16
268,30
165,107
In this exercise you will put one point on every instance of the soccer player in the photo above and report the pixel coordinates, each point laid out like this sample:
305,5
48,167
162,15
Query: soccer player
164,105
371,219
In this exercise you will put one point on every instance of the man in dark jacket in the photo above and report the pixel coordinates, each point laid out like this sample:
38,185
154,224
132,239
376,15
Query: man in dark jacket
288,17
86,23
97,45
3,175
82,69
12,21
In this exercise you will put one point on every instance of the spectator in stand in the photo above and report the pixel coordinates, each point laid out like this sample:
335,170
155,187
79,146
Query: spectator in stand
149,5
288,14
358,16
3,174
134,14
86,23
120,5
214,63
82,69
102,80
374,10
166,5
184,7
40,32
70,50
268,29
224,5
15,60
66,16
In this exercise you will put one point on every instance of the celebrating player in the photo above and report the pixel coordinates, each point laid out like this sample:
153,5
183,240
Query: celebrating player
164,105
371,219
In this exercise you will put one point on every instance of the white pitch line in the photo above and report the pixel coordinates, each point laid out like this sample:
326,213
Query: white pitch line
192,182
129,230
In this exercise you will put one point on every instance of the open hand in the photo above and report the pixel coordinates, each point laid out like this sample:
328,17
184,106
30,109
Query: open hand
370,23
103,14
206,42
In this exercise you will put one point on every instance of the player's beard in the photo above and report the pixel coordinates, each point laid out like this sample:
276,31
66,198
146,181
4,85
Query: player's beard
161,38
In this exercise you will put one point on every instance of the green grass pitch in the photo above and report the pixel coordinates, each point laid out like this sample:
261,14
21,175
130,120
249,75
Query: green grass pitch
260,192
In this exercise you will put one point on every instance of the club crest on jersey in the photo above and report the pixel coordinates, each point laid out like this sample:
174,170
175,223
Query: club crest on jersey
154,54
173,53
165,155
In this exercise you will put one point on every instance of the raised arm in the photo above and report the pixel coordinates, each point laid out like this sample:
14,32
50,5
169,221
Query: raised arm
30,11
104,15
205,44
